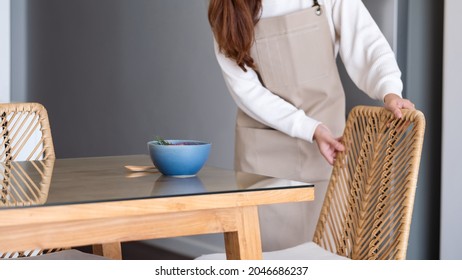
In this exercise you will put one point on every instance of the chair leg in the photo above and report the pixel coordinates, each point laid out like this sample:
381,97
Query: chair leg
109,250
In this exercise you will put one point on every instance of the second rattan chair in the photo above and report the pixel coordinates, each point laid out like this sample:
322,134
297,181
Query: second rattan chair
367,210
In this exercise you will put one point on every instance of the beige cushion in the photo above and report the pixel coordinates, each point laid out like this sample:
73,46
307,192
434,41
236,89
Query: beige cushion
66,255
305,251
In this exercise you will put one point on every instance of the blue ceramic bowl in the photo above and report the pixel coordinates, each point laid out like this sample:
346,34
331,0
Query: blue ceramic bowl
183,158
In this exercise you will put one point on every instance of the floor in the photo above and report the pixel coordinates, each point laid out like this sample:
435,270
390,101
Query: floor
141,251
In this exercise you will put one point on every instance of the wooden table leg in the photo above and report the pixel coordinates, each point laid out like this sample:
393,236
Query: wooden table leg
245,243
109,250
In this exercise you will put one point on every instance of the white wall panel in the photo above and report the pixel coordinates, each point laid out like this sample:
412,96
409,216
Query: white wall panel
451,182
5,51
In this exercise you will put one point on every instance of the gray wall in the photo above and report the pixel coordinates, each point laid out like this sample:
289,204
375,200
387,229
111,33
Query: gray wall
114,74
19,48
424,87
451,227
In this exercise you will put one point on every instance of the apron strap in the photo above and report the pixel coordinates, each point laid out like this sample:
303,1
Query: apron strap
318,9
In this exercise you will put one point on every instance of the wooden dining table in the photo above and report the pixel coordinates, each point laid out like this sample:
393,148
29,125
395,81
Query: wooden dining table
97,200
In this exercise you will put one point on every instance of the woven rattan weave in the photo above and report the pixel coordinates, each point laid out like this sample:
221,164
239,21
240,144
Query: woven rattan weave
25,132
25,136
368,206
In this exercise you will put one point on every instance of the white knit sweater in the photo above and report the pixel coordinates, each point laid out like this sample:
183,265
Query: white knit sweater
367,56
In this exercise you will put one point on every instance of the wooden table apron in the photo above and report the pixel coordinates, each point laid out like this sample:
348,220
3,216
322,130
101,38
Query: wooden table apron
234,214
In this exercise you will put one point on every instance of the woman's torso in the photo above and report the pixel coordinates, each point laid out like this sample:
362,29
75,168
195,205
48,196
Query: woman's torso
294,56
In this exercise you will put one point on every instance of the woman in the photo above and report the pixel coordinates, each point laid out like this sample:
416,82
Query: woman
278,60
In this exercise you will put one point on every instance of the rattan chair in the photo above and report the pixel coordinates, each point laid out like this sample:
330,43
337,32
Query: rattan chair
367,210
26,137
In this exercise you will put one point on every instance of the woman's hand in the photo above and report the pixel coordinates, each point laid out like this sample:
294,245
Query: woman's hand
394,103
328,145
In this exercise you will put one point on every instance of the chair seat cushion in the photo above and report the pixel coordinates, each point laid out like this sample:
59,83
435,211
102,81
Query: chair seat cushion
305,251
66,255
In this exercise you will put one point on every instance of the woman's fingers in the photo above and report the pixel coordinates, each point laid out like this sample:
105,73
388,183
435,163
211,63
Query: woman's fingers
395,103
330,148
397,112
338,146
327,144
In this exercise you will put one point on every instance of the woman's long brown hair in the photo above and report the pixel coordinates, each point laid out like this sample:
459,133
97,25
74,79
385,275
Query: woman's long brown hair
233,23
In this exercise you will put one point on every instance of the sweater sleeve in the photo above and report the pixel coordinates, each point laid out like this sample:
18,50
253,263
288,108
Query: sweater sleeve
368,58
261,104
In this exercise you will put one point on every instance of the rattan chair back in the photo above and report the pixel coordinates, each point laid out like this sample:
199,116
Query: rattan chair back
25,132
368,205
26,160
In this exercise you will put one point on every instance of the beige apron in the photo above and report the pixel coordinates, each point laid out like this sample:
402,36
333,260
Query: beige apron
294,55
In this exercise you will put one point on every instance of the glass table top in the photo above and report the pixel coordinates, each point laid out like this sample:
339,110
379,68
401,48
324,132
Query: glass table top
98,179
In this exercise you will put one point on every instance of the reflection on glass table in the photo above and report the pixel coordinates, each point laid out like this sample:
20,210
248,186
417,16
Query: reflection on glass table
25,183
